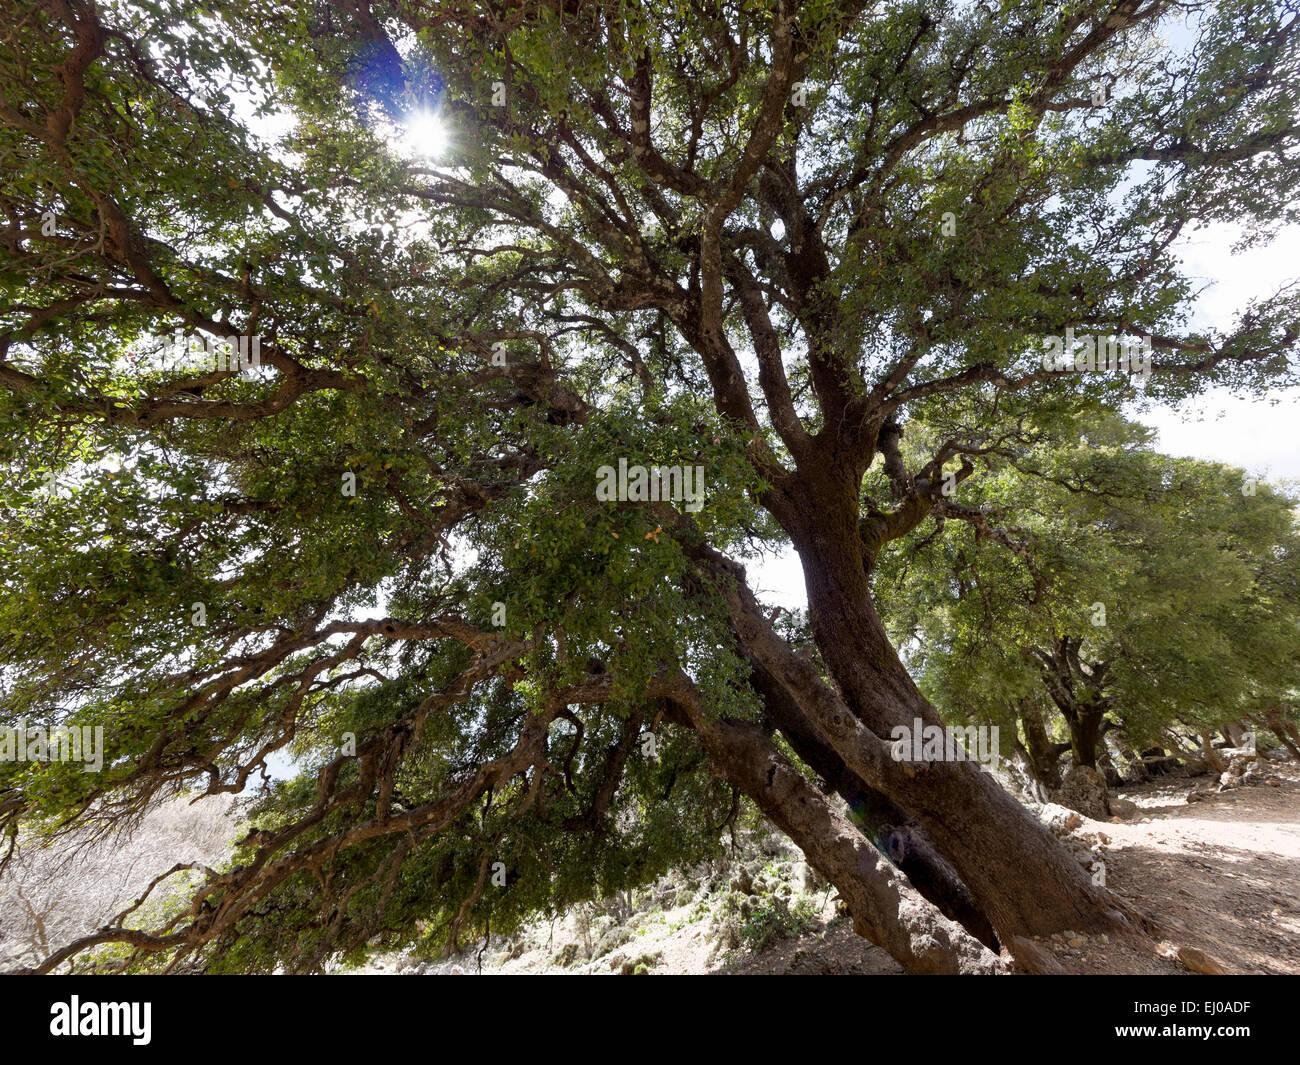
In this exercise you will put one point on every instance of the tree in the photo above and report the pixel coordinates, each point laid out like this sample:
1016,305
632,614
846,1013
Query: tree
52,896
1142,592
757,239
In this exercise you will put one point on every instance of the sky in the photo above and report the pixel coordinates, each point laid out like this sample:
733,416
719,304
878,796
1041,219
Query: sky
1259,434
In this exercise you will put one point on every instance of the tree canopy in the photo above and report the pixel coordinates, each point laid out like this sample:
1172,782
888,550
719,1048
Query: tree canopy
1121,587
498,247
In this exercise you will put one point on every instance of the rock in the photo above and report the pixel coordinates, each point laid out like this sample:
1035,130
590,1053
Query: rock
1084,790
1273,782
811,879
743,882
1239,761
1200,962
1124,808
1227,781
1199,796
456,970
568,955
1278,754
611,940
1059,819
1034,958
1076,942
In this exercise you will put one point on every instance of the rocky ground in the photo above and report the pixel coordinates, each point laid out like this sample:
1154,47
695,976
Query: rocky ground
1221,872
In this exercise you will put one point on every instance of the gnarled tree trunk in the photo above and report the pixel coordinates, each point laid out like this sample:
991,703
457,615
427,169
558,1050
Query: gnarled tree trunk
884,907
1019,876
1043,754
898,836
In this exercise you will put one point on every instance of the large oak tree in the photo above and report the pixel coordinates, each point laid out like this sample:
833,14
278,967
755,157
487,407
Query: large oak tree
760,237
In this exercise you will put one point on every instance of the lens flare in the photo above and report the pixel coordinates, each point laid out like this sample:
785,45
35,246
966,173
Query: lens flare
423,135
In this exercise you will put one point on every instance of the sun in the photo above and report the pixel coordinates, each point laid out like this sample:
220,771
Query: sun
422,135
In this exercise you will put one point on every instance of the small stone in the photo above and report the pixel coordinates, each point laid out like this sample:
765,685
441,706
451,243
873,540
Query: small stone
1077,941
1122,808
1200,962
1035,959
1059,819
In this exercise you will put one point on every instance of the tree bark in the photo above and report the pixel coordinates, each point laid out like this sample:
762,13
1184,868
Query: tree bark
893,832
1085,724
1284,731
1018,874
884,907
1044,755
1212,757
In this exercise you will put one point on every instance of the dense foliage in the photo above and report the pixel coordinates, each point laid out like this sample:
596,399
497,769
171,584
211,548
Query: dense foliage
810,248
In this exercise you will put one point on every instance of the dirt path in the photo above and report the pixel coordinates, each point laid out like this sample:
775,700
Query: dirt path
1225,872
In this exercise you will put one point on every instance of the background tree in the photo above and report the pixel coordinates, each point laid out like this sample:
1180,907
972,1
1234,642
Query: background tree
757,237
1121,588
